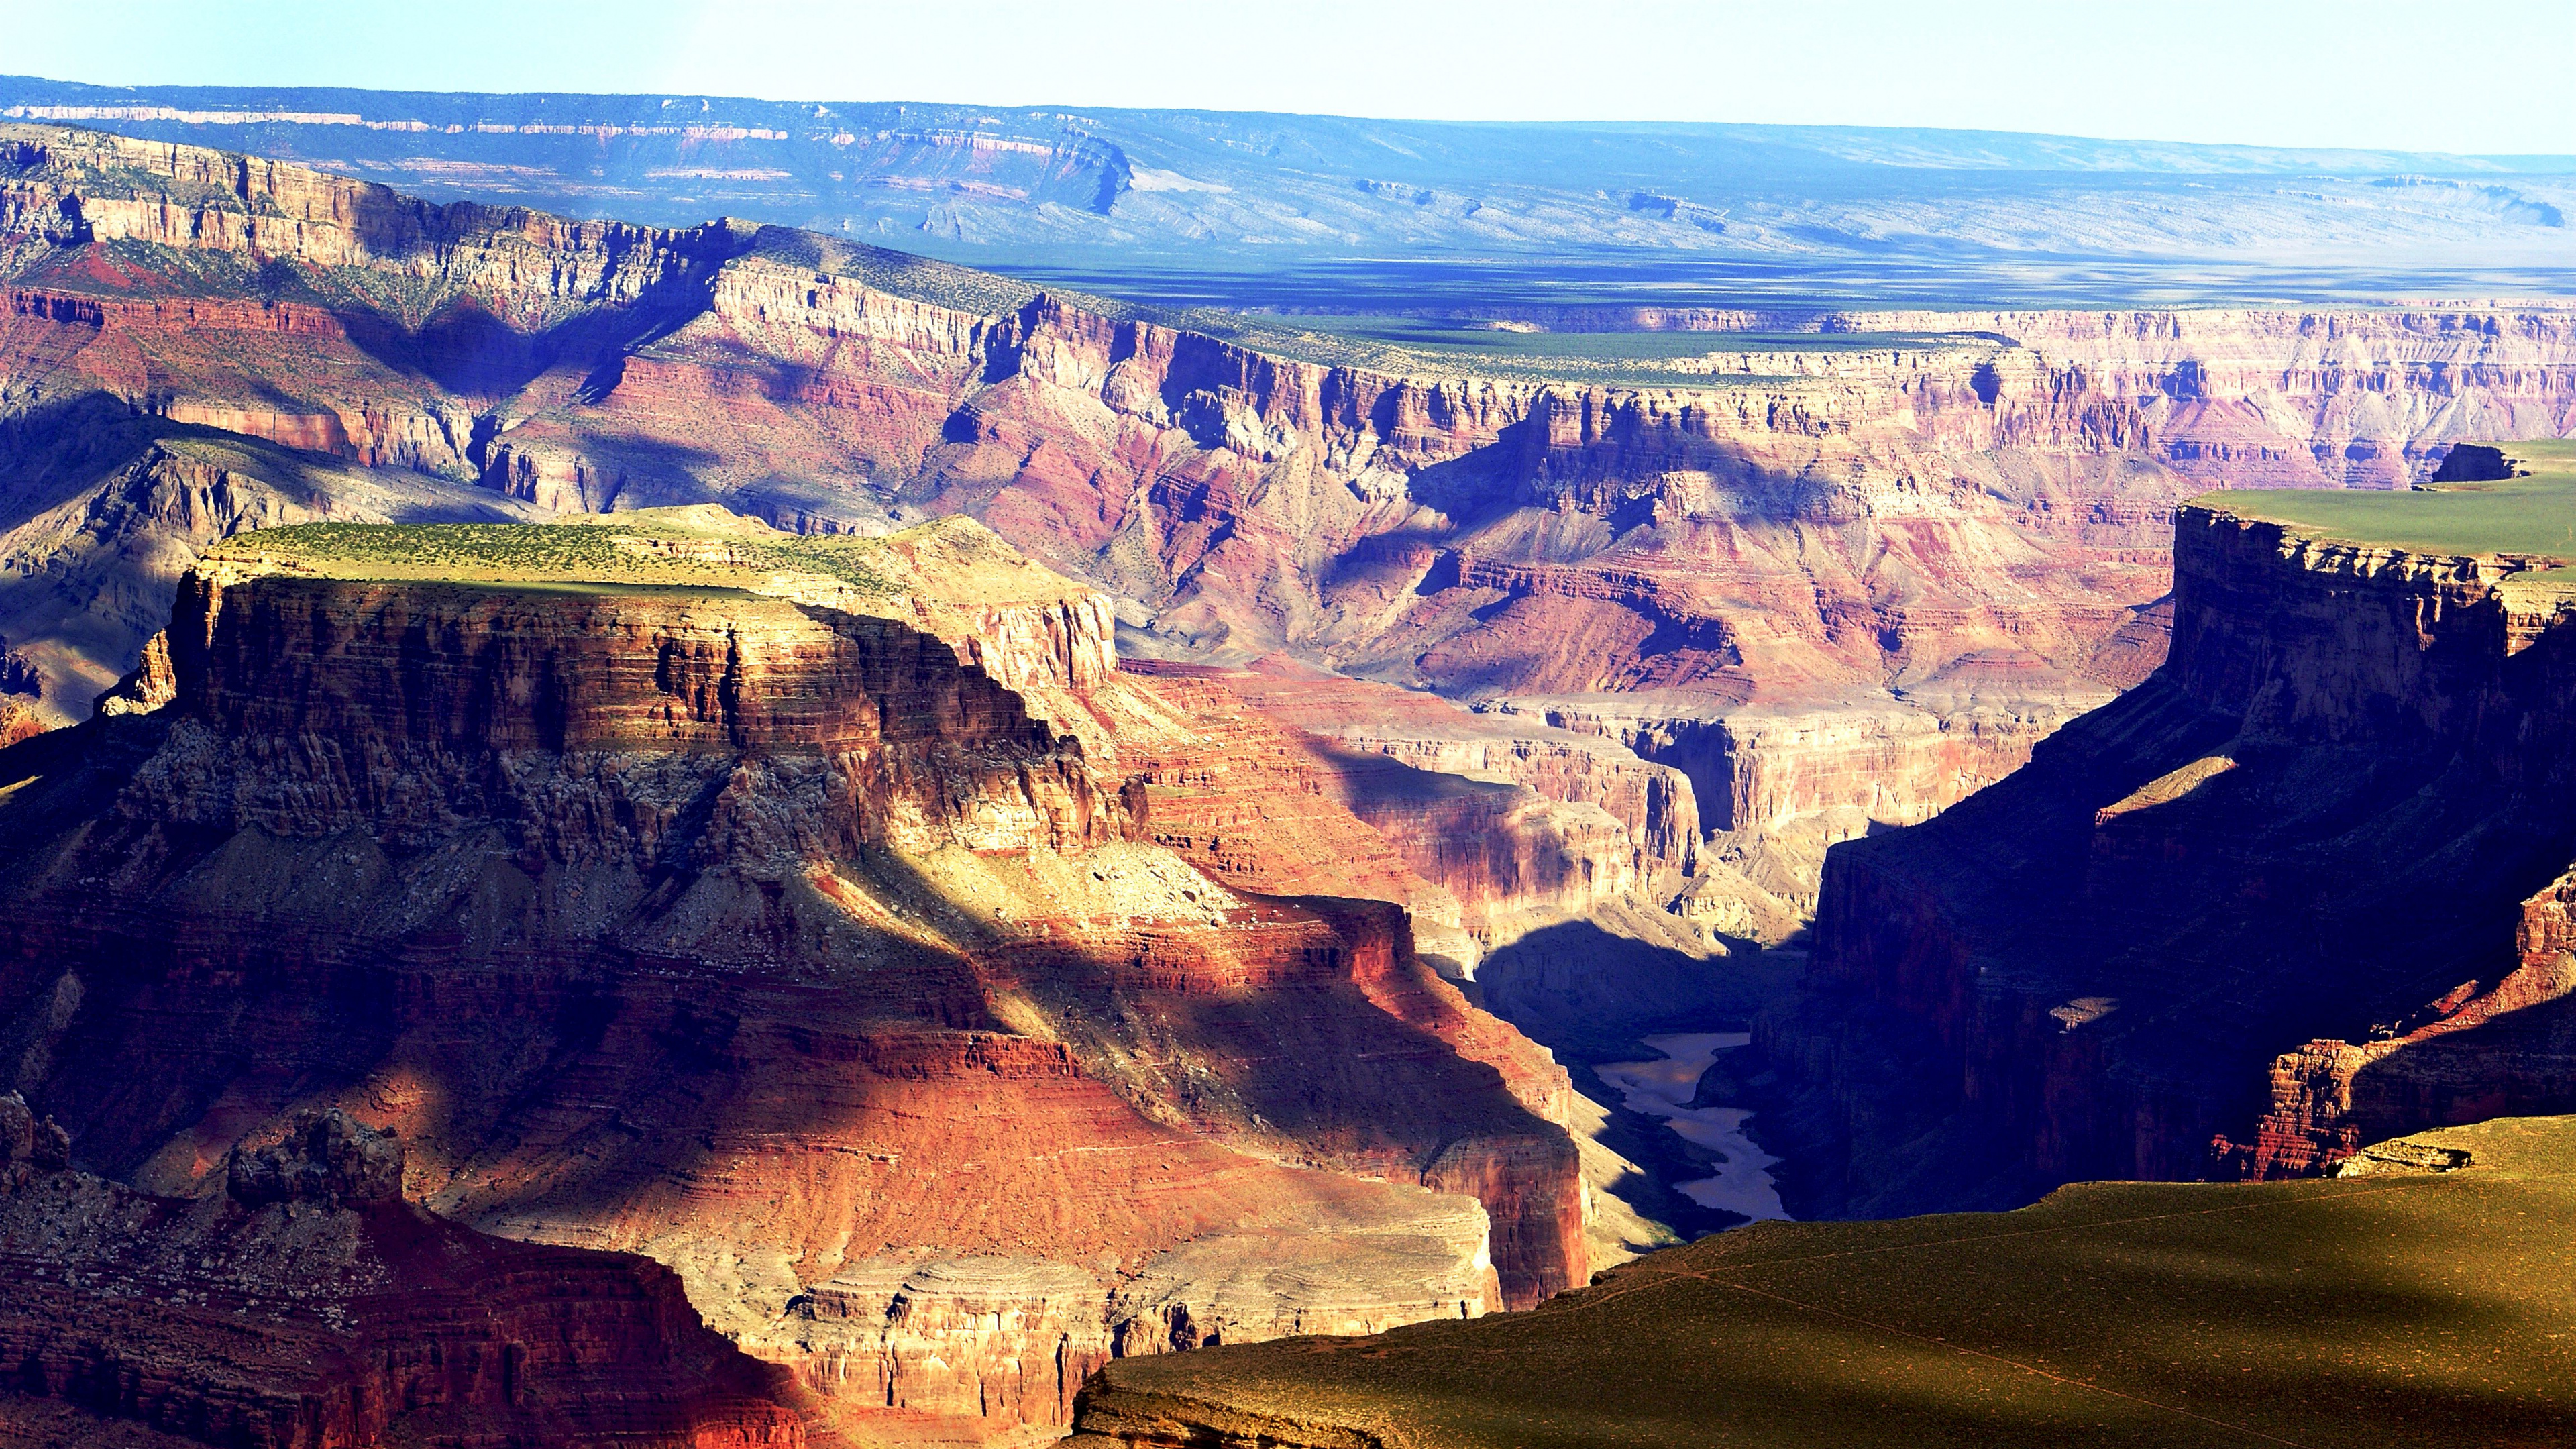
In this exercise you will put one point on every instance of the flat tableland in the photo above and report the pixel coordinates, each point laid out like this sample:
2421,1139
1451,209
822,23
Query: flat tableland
2416,1308
2532,514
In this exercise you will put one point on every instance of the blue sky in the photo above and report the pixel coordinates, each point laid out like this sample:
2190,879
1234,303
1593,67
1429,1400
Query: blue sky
2467,76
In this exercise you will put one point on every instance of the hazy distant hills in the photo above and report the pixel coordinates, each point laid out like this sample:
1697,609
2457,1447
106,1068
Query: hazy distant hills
1333,211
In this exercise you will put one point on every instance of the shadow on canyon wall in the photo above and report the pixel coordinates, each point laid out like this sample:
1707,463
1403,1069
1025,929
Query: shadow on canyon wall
1591,991
581,1085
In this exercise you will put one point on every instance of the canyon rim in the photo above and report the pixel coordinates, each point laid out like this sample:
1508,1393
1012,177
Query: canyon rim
680,770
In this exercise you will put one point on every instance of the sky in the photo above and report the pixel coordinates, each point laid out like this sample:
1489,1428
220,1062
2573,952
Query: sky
2467,76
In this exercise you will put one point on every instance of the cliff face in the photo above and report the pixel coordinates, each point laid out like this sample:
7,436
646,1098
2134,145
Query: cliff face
305,1306
1503,827
2299,890
779,941
1209,189
1834,588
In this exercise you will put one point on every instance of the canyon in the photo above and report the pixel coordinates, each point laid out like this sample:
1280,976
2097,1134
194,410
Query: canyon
680,888
936,835
1835,590
2303,889
1350,213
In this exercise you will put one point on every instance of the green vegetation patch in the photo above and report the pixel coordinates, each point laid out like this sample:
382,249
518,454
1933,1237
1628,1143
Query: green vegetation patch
2417,1309
1442,346
665,547
1449,334
2533,514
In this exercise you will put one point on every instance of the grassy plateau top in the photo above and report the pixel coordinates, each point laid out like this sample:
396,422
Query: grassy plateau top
2531,513
949,560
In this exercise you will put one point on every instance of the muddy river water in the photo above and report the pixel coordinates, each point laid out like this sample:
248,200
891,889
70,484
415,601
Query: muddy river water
1663,1089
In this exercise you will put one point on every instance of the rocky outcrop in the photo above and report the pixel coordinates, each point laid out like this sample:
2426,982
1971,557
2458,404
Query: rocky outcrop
1651,805
18,721
325,1157
2299,890
18,673
109,509
1454,826
1837,589
308,1307
29,1144
764,931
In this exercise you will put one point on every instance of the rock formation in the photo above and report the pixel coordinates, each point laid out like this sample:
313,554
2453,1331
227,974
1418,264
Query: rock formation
679,887
2303,888
1835,589
1510,826
21,687
304,1305
1446,220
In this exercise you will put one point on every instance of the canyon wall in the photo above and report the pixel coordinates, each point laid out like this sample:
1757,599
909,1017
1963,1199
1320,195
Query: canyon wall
779,943
2301,889
303,1305
1836,589
1472,221
1506,826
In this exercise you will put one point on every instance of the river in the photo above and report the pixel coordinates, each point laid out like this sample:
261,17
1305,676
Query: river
1663,1089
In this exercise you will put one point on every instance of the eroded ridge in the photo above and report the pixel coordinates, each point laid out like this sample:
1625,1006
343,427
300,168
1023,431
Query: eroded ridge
789,912
2302,889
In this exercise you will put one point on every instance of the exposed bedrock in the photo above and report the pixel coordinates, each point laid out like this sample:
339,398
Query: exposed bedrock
2301,889
1837,589
303,1305
1504,826
779,943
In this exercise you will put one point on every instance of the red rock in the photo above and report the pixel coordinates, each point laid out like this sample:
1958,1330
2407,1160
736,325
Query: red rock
785,945
334,1314
1834,589
2302,889
18,721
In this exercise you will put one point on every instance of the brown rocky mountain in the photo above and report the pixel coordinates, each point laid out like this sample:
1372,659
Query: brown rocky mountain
2303,889
302,1304
2346,736
830,914
791,912
1832,588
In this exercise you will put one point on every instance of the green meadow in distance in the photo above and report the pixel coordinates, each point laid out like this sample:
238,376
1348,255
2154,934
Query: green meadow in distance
2530,514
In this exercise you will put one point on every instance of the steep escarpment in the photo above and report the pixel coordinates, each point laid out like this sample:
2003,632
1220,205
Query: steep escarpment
304,1305
1470,219
682,888
2301,889
108,509
1514,826
1837,589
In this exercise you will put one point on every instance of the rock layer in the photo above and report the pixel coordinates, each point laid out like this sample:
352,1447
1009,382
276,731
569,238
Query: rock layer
781,943
2299,890
1836,588
1496,827
308,1307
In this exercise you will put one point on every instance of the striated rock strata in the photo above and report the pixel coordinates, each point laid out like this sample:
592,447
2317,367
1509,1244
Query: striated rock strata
304,1305
1515,826
2303,888
1836,589
715,900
